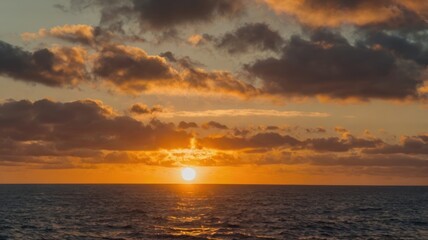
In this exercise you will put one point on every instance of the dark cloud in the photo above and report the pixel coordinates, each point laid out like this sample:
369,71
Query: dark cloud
194,77
213,124
327,65
403,46
316,130
186,125
128,69
334,144
260,140
165,13
9,147
217,82
244,39
54,67
169,55
272,128
241,132
160,14
268,140
144,109
81,134
251,36
84,124
408,145
116,157
131,69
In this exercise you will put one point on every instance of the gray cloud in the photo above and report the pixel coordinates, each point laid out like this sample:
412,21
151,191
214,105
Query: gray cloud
55,67
158,15
83,124
130,68
144,109
186,125
214,124
260,140
250,36
328,65
316,130
403,46
334,144
408,145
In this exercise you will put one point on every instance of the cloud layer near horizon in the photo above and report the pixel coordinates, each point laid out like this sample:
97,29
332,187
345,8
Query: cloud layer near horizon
86,133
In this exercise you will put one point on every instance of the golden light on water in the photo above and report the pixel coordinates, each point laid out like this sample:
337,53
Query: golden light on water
188,174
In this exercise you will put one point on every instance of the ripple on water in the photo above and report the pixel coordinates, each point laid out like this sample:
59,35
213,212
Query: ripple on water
212,212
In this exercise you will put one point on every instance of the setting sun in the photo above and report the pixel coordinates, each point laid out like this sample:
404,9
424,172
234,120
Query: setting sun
226,119
188,174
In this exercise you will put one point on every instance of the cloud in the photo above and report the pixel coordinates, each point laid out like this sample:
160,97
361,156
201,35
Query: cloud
316,130
78,33
142,109
127,69
240,132
164,13
186,125
55,67
24,149
260,140
217,82
214,124
82,34
86,133
248,37
328,66
333,13
131,69
408,145
403,46
244,39
244,113
334,144
159,15
268,139
85,124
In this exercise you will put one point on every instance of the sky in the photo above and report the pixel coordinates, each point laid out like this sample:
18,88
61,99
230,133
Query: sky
244,91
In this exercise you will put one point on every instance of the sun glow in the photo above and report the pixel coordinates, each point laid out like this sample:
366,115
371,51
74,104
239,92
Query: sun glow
188,174
189,156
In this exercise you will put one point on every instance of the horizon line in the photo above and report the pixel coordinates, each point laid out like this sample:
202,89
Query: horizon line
230,184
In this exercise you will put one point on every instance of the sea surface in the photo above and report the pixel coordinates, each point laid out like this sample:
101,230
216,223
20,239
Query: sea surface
212,212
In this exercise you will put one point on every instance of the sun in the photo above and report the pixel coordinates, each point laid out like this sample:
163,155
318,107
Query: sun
188,174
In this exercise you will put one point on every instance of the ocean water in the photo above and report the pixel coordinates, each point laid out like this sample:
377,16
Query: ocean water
212,212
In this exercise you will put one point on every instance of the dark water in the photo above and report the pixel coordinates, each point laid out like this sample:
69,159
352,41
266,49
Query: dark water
212,212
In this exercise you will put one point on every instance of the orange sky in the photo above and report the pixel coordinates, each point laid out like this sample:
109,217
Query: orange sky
254,92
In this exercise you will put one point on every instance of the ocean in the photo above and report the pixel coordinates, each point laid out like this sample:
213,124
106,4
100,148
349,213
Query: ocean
212,212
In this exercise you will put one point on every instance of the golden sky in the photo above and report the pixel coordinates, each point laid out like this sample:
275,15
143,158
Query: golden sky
254,91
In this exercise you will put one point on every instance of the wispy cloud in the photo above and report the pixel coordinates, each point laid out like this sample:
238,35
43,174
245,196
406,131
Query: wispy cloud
243,113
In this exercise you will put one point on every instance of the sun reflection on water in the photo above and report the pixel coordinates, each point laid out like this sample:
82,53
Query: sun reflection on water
187,216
